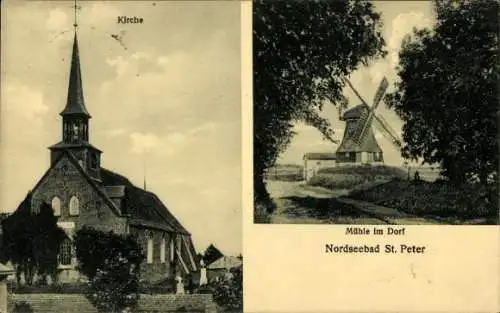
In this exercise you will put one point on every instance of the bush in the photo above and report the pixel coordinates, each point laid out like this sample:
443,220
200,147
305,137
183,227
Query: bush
112,264
368,171
438,199
23,307
31,241
349,177
229,293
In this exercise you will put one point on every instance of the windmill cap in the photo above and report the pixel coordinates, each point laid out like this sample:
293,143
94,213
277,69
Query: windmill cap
354,112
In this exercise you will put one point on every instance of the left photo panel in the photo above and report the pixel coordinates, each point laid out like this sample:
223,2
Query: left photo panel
120,156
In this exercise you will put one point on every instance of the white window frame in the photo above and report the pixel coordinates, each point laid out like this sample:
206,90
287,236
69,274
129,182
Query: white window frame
172,248
163,250
149,249
56,206
74,206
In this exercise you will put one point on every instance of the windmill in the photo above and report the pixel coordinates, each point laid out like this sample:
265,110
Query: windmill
359,145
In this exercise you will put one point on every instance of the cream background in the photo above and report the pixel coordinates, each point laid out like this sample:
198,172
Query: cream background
287,270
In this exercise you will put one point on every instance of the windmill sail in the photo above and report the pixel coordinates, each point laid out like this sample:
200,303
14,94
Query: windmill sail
376,100
387,131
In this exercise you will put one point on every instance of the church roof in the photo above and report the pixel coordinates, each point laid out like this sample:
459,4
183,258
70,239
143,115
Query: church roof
141,204
75,104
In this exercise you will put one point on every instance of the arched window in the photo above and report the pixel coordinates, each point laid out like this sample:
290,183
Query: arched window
74,206
56,206
162,249
65,252
150,249
172,248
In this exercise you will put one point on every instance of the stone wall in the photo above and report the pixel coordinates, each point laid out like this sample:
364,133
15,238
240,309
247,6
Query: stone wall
69,303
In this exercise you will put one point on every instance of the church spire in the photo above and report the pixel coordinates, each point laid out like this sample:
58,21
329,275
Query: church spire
75,104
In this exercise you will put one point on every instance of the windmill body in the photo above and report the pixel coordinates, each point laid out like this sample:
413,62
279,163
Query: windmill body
366,150
359,145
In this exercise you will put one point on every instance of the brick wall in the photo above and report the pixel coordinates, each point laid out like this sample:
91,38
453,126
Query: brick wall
156,270
66,183
69,303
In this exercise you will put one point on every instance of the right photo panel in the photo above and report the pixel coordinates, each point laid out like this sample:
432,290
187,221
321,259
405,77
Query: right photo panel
382,112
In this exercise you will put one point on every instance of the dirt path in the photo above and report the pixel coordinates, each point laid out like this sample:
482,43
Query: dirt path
298,203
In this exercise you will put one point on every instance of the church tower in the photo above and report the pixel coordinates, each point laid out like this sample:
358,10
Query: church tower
75,123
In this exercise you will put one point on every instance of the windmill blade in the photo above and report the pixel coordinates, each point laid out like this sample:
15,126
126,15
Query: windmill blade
355,91
382,88
363,119
387,131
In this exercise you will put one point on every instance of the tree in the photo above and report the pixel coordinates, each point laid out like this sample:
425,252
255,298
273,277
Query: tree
302,49
31,241
447,95
47,242
112,264
229,293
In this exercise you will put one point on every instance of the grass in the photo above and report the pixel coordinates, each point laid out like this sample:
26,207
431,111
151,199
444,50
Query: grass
285,172
434,199
349,177
325,209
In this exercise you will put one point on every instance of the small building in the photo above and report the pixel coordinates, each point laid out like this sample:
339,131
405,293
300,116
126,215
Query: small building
314,161
221,268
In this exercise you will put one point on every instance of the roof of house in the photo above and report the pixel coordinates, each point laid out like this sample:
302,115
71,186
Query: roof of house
319,156
139,203
225,262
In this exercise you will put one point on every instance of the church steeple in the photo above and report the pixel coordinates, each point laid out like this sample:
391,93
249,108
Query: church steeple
75,115
75,104
75,121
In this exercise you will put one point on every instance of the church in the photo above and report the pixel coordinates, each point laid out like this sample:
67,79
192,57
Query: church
83,193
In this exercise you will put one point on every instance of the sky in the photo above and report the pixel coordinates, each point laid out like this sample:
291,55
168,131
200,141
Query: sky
399,18
165,102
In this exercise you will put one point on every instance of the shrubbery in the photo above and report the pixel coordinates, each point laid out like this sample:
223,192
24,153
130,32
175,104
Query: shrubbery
367,171
348,177
22,307
31,242
112,264
438,199
229,293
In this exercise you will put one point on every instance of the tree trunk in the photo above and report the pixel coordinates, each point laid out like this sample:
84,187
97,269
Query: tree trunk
263,203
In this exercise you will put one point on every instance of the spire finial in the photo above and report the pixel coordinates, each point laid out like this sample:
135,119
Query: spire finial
75,24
